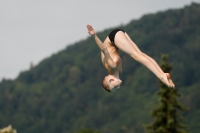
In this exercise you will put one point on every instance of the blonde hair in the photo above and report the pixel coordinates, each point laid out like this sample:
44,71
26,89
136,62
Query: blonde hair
105,85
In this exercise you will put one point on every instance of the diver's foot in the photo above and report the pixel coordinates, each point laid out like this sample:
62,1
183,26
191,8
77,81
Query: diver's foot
170,80
166,79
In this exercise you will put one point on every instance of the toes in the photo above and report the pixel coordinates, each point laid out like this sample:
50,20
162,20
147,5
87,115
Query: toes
166,79
170,81
168,76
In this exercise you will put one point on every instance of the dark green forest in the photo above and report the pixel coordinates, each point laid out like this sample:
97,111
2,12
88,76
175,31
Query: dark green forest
63,93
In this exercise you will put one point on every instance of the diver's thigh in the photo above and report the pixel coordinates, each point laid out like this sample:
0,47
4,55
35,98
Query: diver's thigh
123,43
136,47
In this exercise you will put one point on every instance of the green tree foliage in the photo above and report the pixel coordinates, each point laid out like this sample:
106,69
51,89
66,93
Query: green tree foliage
85,130
63,92
166,115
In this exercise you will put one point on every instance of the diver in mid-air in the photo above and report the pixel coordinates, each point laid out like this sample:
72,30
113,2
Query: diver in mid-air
119,39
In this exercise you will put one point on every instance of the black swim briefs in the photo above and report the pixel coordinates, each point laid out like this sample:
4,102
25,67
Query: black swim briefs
112,35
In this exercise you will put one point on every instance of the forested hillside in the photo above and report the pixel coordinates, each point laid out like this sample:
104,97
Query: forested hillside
63,93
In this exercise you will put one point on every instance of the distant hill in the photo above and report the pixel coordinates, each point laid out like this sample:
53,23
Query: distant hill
63,93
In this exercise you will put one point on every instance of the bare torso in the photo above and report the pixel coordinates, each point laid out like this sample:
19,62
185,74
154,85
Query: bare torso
113,51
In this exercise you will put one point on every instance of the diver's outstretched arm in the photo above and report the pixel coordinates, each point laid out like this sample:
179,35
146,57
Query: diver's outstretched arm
97,40
102,47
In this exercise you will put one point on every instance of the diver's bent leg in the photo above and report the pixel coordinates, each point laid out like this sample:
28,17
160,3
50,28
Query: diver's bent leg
149,63
123,43
154,62
140,57
151,59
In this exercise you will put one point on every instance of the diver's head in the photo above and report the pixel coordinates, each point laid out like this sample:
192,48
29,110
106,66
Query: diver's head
111,83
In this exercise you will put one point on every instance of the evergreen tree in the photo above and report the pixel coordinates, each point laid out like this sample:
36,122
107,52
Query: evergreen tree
166,115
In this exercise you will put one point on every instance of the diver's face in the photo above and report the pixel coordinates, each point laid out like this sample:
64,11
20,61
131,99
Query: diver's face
115,88
113,82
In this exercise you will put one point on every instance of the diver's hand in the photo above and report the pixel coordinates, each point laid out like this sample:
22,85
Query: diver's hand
90,30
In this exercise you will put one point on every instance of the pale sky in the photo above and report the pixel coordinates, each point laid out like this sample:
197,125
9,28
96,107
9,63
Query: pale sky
31,30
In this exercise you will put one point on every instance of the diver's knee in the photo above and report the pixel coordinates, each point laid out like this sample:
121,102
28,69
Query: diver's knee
138,56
